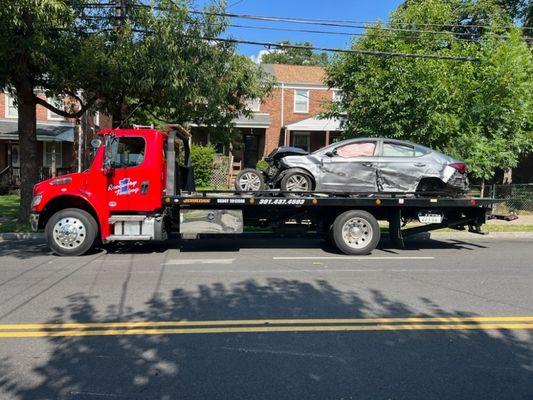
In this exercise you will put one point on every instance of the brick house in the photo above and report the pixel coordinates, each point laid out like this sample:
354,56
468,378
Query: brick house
288,116
55,136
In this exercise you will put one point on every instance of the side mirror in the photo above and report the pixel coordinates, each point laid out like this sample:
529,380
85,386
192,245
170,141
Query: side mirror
329,153
107,166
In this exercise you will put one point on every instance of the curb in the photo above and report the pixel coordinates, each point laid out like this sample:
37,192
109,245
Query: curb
21,235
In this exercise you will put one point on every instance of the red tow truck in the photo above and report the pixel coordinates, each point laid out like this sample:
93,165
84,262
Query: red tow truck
140,187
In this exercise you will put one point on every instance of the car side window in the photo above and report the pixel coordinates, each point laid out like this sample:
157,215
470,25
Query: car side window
127,152
421,151
398,150
358,149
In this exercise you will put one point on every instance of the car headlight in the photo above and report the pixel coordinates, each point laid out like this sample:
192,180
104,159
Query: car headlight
36,200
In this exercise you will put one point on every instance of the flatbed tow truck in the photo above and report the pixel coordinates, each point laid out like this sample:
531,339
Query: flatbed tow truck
140,188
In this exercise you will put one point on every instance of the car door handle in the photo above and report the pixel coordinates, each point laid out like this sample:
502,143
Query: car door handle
419,164
144,187
368,164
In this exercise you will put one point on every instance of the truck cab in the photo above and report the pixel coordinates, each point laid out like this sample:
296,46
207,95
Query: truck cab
119,197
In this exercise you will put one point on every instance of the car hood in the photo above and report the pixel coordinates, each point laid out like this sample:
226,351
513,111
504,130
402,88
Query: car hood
284,151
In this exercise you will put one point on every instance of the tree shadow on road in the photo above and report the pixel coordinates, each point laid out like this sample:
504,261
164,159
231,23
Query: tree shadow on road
474,364
27,249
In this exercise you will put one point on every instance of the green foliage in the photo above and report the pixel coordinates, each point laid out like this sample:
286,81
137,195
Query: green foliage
202,160
477,111
262,165
295,56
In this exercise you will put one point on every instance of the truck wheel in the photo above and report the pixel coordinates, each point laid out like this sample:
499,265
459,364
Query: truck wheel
296,181
249,180
71,232
356,232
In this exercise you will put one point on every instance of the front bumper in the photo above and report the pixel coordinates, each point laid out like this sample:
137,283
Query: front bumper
34,221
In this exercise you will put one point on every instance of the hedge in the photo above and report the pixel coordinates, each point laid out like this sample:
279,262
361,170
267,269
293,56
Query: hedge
202,159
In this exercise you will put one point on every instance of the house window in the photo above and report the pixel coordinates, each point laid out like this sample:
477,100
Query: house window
57,102
253,104
301,101
301,140
48,148
337,96
11,107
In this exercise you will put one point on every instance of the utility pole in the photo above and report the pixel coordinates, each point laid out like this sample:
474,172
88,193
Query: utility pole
120,17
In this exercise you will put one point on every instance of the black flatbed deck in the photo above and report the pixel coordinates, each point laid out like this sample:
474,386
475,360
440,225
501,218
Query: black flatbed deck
233,199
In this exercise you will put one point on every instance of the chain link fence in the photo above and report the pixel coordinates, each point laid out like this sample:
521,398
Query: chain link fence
221,167
518,197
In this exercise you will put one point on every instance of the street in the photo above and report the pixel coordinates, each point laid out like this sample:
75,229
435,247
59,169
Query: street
268,317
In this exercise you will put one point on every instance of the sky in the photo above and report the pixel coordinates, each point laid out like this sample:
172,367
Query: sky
356,10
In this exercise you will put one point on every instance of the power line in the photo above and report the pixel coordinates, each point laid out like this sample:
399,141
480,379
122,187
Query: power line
337,50
349,23
272,28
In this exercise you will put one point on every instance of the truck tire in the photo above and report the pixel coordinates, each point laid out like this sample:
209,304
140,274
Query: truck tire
71,232
296,181
249,180
356,232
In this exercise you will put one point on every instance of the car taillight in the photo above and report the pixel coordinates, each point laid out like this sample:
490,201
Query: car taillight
459,166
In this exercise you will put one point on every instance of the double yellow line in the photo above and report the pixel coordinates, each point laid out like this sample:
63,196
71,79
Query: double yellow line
262,325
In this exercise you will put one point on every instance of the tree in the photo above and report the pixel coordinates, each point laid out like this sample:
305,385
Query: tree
153,58
295,56
478,111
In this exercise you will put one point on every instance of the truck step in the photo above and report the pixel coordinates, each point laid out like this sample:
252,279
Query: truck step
115,238
126,218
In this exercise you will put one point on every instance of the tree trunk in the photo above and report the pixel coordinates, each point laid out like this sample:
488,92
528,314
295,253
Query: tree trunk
482,190
27,130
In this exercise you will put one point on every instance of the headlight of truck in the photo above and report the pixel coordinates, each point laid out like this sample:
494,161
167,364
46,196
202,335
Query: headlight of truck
36,200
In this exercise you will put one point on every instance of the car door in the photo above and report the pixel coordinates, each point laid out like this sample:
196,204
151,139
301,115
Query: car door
350,167
398,168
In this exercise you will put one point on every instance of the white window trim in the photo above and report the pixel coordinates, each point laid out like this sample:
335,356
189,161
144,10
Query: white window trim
305,134
59,160
51,115
7,96
307,104
96,118
334,93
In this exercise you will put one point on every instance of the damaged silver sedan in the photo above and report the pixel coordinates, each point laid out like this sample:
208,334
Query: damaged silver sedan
365,165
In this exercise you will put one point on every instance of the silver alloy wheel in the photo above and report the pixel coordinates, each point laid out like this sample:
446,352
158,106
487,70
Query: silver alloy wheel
297,183
69,233
357,232
249,181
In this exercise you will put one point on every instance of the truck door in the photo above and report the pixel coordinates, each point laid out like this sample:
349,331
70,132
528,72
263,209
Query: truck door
124,185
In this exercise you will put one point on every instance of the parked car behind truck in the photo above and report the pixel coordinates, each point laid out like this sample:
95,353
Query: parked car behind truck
360,166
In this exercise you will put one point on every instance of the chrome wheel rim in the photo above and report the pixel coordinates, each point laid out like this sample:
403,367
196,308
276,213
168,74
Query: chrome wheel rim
250,181
69,233
357,232
297,183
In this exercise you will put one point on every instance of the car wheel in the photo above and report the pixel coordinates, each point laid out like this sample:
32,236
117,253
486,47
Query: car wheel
356,232
296,181
249,180
71,232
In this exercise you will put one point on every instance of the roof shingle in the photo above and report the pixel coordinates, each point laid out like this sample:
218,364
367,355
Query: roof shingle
296,73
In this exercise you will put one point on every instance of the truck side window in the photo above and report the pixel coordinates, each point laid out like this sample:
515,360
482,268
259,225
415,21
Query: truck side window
128,152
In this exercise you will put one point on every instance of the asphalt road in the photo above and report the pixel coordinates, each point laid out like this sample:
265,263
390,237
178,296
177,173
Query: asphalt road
275,318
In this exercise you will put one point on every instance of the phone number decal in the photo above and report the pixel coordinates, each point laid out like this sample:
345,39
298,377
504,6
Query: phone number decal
295,202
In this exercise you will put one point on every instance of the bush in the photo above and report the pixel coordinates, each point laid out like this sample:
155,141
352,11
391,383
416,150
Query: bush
262,165
202,161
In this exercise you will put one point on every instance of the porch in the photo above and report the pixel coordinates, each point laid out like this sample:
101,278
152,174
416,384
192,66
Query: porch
54,150
312,134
